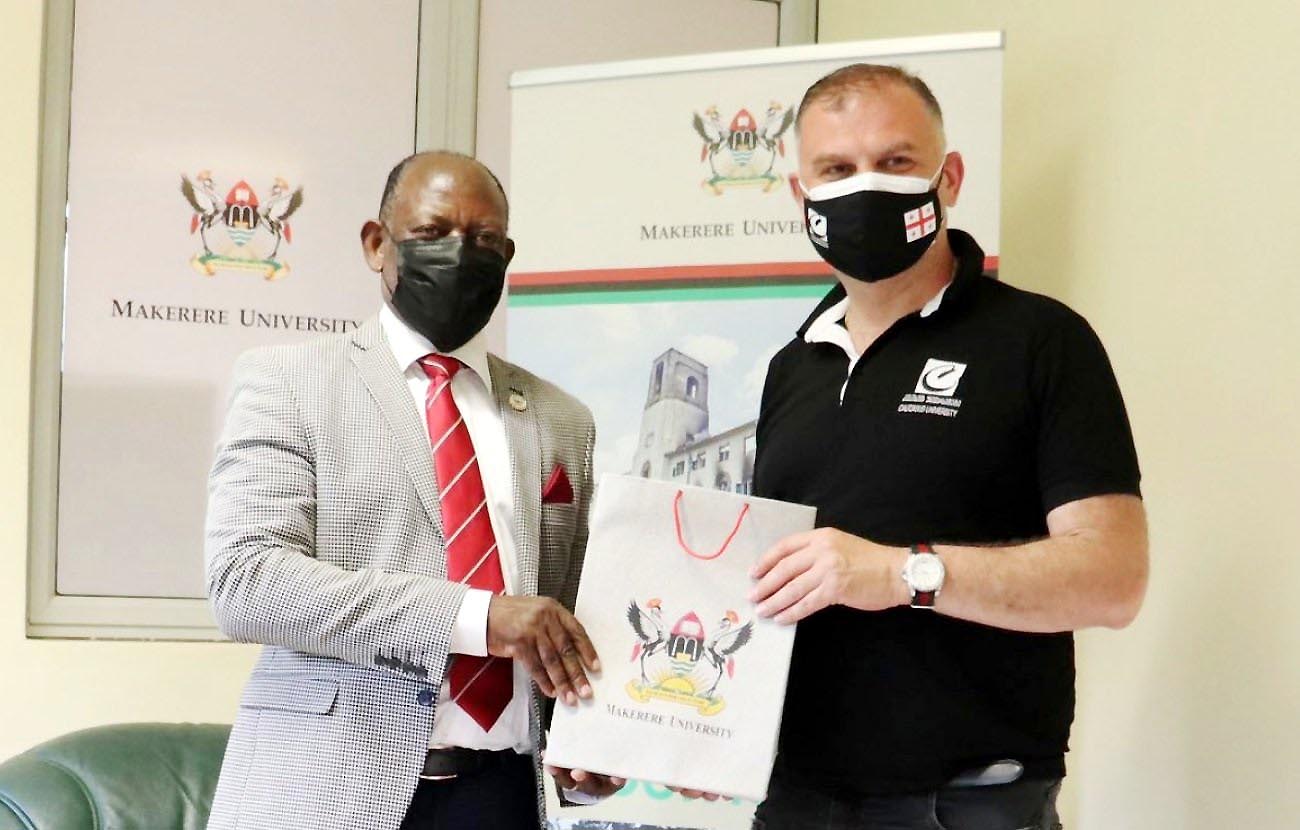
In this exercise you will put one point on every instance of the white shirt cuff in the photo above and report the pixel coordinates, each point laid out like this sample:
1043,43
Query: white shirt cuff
469,634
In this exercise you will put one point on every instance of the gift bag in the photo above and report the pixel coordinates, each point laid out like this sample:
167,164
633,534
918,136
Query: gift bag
692,681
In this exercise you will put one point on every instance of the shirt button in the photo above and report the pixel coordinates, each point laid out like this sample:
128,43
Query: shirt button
425,697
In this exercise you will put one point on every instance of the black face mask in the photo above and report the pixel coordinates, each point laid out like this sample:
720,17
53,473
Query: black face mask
447,290
868,230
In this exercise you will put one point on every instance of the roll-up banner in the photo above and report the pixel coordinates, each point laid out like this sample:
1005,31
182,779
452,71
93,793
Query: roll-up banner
662,261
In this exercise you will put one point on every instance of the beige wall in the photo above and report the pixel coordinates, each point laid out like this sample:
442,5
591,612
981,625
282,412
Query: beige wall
1150,180
51,687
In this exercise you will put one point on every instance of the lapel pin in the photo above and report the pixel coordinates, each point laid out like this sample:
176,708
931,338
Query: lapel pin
517,401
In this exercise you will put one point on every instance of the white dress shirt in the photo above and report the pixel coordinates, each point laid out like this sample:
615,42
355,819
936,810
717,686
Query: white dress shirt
471,389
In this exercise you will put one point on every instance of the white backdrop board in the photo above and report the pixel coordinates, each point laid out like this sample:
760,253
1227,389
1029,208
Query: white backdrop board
609,175
658,271
265,109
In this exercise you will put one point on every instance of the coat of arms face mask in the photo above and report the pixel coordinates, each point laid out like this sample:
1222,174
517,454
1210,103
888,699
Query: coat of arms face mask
873,226
447,290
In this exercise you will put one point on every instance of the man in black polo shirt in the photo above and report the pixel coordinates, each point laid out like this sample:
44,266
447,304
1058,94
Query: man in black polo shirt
968,452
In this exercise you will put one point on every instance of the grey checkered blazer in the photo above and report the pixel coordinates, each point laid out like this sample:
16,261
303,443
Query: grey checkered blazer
324,543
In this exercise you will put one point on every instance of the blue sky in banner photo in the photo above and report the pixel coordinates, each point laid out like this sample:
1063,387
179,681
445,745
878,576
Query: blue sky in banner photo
603,354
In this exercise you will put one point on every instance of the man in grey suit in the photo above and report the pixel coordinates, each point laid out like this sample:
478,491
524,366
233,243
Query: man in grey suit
400,517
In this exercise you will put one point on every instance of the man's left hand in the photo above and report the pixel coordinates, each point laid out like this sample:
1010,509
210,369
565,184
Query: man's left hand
587,783
806,572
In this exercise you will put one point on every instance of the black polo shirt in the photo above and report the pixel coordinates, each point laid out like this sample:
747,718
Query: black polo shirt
966,425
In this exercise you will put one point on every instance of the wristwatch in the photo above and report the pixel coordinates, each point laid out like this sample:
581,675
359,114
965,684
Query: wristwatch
924,574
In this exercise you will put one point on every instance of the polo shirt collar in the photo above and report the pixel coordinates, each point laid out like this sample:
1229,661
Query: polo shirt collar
820,325
408,346
826,328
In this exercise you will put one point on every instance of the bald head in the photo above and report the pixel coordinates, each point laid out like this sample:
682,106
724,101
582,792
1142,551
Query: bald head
434,160
431,196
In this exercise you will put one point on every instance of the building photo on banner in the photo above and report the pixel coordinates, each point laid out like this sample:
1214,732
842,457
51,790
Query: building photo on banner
677,265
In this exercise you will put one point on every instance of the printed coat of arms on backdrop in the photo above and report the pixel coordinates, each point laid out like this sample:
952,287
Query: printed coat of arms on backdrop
684,664
236,230
744,153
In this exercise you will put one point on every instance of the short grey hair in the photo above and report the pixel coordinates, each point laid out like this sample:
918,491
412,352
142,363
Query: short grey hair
832,88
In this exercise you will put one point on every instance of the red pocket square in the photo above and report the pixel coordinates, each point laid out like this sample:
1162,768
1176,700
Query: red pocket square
558,490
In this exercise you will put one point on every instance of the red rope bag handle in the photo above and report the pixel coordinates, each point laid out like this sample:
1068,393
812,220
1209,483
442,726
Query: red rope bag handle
681,539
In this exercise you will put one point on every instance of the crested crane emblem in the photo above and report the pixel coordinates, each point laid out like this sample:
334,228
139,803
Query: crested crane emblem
743,153
235,229
684,664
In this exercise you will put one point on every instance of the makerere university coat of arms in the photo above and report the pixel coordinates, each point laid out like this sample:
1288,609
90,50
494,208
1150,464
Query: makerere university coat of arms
743,153
231,225
685,664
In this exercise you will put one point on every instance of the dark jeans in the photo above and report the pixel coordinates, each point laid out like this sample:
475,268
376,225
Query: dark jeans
1020,805
503,797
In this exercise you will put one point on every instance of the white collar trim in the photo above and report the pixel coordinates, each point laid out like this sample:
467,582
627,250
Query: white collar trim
933,305
826,327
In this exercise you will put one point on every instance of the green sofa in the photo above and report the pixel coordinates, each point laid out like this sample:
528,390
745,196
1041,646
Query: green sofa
138,776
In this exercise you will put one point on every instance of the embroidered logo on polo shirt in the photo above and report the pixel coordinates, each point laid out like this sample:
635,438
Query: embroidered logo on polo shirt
940,377
936,390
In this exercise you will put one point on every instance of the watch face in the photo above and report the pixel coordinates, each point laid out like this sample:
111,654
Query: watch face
925,572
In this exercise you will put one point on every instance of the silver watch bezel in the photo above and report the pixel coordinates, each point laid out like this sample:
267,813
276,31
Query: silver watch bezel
917,560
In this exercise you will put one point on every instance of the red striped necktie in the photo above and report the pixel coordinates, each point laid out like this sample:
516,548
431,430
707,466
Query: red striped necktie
481,686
